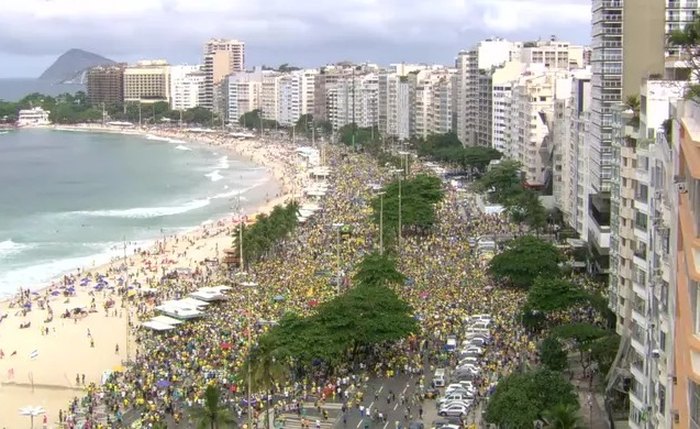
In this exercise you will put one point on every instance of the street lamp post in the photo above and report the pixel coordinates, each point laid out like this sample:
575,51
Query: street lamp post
399,172
249,286
337,226
381,223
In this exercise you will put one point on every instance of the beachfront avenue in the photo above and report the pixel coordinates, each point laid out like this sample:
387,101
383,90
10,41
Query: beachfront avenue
343,321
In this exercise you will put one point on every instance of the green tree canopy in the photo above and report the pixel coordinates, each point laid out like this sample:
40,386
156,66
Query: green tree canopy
419,196
687,40
549,294
522,398
563,416
377,270
253,120
525,259
213,414
502,183
363,136
368,314
268,230
552,355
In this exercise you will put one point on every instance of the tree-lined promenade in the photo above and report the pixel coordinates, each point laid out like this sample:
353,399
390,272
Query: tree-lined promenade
319,308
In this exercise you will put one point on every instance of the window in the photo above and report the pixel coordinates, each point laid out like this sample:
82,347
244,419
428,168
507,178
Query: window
640,220
694,301
694,404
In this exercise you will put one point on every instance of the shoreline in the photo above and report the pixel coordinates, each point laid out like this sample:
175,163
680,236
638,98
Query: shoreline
108,256
98,338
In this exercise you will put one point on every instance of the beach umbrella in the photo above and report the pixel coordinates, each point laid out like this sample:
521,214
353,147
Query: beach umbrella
118,368
163,384
279,298
32,412
55,293
225,346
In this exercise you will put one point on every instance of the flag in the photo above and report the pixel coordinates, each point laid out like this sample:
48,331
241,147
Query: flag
33,355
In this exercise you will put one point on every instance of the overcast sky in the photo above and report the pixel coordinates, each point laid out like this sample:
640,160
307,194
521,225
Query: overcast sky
299,32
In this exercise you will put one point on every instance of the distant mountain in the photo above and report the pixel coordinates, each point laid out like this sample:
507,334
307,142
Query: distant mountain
72,66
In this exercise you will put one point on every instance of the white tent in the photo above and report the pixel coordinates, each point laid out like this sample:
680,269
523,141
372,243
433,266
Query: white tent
179,313
207,296
167,320
157,326
193,303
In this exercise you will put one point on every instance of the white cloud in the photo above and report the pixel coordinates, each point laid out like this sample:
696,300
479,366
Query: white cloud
128,28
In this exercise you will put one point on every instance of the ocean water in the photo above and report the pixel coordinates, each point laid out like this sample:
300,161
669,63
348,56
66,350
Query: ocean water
71,199
12,89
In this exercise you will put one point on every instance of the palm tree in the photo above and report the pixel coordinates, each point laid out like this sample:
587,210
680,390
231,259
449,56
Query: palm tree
266,371
212,414
563,416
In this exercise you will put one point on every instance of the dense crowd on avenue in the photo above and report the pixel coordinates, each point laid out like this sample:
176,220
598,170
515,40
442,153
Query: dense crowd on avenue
445,283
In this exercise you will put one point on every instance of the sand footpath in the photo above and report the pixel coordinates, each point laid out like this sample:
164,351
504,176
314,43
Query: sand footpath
44,363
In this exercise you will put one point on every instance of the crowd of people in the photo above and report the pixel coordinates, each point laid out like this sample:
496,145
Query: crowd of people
446,282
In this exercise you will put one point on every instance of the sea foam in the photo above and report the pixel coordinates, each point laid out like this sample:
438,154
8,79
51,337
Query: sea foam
9,247
215,176
147,212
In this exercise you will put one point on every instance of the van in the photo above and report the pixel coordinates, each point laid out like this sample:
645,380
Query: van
451,344
439,377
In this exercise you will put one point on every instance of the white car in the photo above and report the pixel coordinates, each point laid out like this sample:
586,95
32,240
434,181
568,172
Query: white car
453,386
457,396
457,410
467,403
467,384
474,349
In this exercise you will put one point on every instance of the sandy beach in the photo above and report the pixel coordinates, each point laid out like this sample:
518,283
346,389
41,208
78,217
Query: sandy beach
53,358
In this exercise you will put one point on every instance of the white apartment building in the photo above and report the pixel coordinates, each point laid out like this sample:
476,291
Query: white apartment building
353,98
501,91
393,105
186,86
531,115
553,54
440,116
568,138
147,82
270,95
244,94
639,239
486,55
431,102
296,96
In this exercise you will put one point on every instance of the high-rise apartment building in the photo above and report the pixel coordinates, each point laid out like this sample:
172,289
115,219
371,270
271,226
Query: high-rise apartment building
221,58
147,82
243,94
186,86
553,53
568,137
105,85
531,115
296,96
502,81
431,102
353,99
618,69
393,105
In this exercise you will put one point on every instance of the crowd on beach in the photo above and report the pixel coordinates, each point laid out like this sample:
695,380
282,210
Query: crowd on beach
447,282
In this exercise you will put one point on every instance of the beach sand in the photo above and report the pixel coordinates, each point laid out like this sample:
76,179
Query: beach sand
49,378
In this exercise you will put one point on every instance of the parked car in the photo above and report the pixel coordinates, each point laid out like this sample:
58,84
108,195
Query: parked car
439,377
452,387
457,396
454,410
